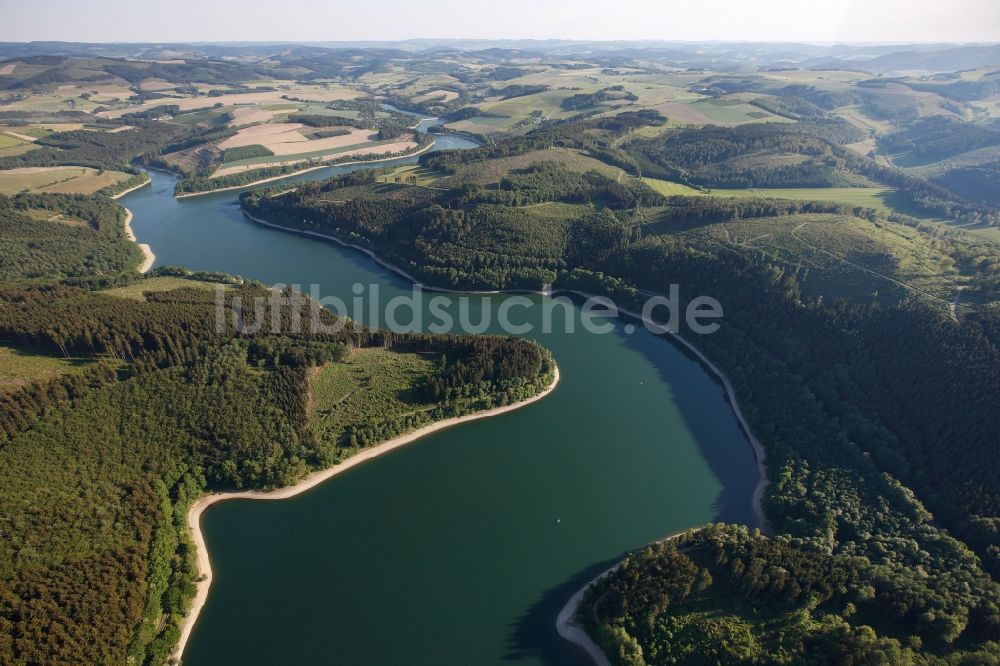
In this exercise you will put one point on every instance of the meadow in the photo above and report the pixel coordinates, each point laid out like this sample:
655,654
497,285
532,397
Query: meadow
20,367
370,386
64,180
869,197
137,291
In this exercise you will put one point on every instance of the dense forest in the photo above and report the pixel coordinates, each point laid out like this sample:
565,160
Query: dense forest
60,236
722,594
868,457
936,138
101,150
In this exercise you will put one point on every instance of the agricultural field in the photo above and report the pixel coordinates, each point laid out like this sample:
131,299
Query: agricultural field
482,125
353,150
285,92
11,145
288,139
520,108
722,111
61,179
439,95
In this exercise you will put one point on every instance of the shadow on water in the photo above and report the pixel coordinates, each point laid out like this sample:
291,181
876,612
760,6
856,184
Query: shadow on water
730,457
722,441
547,645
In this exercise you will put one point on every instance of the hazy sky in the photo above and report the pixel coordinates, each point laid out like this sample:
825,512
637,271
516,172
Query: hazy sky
331,20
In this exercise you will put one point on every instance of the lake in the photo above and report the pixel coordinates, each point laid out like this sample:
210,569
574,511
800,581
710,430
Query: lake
461,547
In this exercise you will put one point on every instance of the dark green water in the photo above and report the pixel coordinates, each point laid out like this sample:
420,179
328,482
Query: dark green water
448,551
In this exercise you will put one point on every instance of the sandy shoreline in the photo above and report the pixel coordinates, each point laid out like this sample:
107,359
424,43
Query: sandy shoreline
309,482
147,252
148,181
302,171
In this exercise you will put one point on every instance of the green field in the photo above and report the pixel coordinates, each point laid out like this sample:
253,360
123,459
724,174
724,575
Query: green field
17,149
410,174
671,189
372,385
732,112
520,108
883,199
8,141
20,367
870,197
138,290
66,180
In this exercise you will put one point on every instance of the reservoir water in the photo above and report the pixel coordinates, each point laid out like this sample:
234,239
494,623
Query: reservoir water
461,547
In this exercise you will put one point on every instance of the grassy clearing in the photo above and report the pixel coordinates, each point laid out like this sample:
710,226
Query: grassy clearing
520,108
883,199
870,197
372,385
66,180
8,141
732,111
19,367
492,170
670,189
137,291
410,174
42,215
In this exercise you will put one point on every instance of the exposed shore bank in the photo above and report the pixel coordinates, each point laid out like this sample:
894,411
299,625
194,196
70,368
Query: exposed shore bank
147,252
185,195
311,481
148,181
